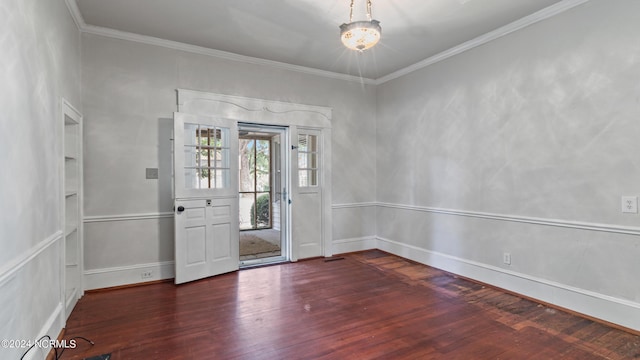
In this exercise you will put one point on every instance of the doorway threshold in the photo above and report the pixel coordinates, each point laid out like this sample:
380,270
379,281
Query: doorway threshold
253,263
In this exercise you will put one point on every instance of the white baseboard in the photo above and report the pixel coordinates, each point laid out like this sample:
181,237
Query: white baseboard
352,245
618,311
126,275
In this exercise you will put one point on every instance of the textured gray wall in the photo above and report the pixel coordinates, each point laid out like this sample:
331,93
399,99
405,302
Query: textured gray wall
39,65
540,124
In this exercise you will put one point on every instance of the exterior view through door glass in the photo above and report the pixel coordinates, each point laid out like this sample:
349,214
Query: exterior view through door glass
262,185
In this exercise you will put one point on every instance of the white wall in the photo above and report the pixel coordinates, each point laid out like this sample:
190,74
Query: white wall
129,98
39,65
523,145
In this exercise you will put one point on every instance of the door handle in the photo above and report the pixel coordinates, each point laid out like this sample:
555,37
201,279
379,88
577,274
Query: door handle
180,209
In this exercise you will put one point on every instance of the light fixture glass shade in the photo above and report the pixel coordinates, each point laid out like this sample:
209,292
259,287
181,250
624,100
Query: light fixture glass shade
360,35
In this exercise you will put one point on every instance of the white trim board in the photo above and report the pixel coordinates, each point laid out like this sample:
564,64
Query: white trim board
618,311
354,205
12,267
543,14
253,110
127,217
126,275
343,246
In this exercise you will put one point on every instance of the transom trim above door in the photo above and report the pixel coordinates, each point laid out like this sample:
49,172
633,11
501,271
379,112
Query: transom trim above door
253,110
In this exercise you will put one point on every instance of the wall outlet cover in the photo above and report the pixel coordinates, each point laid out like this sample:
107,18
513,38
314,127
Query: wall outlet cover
630,204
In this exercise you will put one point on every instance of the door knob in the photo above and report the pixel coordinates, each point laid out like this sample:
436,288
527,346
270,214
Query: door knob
180,208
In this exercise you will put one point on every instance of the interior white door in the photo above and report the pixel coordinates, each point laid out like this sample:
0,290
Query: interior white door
206,196
307,208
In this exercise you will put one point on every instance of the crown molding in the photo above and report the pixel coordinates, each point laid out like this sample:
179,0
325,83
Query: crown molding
536,17
175,45
72,6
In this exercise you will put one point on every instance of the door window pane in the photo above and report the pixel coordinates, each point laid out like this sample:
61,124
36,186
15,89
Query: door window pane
191,178
206,155
308,164
247,203
256,174
191,156
190,134
247,159
263,165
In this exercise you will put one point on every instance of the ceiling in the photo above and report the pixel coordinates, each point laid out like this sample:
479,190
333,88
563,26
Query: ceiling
305,32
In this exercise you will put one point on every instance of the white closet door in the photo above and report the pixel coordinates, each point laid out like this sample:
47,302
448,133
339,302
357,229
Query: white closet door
307,208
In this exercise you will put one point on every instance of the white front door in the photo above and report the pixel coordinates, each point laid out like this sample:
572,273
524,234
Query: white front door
206,196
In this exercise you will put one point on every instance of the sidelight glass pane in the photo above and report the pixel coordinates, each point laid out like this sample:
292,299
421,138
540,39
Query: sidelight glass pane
308,143
308,160
312,143
313,161
302,160
303,178
313,177
308,178
302,143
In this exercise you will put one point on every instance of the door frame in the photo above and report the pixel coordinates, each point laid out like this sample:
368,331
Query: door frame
259,111
285,222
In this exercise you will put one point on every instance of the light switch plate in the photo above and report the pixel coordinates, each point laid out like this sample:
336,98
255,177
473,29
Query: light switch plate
152,173
630,204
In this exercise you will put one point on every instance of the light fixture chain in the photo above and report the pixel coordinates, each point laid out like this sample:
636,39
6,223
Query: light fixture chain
369,10
351,12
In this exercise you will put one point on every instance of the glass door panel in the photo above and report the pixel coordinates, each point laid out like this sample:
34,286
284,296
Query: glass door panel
261,187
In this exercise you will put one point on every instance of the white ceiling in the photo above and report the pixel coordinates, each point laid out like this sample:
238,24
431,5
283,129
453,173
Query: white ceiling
305,32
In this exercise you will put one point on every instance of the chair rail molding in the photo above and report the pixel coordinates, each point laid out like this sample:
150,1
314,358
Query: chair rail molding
581,225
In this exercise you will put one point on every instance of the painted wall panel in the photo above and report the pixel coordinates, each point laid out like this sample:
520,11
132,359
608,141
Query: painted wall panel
39,66
543,124
128,242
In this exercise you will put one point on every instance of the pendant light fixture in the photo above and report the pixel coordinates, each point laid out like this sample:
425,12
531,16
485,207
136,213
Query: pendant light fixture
360,35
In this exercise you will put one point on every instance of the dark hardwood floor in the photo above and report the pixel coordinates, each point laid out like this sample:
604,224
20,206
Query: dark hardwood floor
368,305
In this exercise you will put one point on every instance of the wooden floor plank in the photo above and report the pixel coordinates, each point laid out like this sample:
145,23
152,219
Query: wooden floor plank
370,305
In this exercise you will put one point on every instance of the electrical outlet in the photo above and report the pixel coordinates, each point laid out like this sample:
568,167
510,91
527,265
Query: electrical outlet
147,274
506,258
630,204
